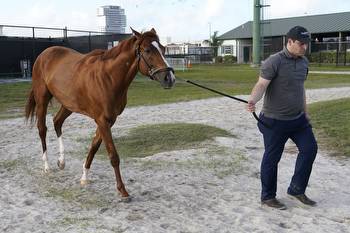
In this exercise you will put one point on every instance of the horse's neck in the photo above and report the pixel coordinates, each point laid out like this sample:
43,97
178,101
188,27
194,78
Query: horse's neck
122,62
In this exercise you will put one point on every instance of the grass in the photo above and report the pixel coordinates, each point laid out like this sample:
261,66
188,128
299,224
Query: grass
232,79
13,98
147,140
10,165
331,123
328,67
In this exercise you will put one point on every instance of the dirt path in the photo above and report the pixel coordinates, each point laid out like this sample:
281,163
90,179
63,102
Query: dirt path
212,188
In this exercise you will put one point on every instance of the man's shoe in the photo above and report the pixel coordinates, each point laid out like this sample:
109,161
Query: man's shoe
304,199
274,203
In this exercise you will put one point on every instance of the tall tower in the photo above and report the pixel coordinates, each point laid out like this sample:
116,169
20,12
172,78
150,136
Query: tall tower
111,19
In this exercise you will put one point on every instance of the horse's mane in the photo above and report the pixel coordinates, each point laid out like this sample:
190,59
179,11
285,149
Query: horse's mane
114,52
92,56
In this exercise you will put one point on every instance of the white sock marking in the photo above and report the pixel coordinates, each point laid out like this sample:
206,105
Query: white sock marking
60,142
84,177
46,164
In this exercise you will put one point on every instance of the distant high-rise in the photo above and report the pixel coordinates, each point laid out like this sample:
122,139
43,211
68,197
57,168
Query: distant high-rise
111,19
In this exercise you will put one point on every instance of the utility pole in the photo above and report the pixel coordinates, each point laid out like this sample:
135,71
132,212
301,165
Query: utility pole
210,42
257,33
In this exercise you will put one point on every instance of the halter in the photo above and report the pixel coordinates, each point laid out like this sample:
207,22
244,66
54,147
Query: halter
151,70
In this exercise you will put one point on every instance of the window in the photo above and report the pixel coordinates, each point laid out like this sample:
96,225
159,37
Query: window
227,49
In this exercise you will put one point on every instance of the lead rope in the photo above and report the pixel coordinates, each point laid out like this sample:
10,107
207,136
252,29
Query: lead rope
226,95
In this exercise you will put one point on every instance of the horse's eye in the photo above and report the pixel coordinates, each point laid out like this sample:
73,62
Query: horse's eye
147,50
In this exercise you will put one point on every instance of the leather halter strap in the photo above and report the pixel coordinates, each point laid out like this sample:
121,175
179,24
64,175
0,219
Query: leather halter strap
151,70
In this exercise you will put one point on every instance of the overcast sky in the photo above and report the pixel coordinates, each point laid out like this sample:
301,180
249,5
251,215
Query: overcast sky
182,20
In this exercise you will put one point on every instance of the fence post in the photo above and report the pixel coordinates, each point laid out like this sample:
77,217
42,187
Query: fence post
89,41
337,55
345,51
65,34
320,55
33,47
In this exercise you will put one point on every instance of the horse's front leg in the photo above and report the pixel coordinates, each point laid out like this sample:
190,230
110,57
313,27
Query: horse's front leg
96,142
105,130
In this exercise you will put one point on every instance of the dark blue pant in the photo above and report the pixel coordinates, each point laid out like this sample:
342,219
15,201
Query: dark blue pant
275,137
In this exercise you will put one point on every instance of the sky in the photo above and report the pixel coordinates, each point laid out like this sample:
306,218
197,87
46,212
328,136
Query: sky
181,20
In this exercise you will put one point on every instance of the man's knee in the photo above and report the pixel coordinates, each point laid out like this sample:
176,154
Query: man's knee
310,150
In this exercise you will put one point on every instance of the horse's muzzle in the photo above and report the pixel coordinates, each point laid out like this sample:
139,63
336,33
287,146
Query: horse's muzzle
165,76
169,80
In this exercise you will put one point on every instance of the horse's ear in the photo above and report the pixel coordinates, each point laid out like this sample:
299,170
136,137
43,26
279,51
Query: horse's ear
154,31
136,33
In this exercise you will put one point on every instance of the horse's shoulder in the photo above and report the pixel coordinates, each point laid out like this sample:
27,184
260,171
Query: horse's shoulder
59,51
91,57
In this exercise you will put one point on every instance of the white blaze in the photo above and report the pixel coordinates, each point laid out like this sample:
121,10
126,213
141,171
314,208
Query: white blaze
156,45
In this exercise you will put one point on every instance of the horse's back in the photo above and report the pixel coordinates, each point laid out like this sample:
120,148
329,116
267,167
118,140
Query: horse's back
53,56
54,68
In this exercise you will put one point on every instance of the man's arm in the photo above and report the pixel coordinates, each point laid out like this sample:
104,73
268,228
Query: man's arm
257,93
305,107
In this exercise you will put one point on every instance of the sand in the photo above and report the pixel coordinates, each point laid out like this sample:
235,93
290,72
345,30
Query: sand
214,187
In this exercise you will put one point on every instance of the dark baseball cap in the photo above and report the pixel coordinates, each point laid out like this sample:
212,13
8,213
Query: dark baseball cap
299,33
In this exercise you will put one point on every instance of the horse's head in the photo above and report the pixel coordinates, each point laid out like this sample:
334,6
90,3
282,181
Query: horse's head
151,60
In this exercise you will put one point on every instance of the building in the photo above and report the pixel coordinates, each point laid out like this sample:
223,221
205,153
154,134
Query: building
111,19
328,32
197,52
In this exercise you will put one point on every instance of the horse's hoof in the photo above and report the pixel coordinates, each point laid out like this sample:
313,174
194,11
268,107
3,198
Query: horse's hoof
46,170
84,182
60,164
125,199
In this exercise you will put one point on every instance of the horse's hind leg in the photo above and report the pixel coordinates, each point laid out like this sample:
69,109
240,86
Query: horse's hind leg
42,100
96,142
58,120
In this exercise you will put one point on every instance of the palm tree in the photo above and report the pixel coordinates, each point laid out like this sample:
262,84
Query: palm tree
215,42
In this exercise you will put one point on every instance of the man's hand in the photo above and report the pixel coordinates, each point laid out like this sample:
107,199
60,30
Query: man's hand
250,106
257,93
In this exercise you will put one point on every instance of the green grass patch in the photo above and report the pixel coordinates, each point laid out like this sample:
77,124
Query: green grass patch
328,67
77,221
232,79
13,98
315,81
10,165
332,125
147,140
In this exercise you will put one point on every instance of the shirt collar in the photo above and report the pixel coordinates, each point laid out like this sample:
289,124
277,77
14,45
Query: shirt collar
287,53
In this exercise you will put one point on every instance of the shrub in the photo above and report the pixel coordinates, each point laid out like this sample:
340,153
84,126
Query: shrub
229,59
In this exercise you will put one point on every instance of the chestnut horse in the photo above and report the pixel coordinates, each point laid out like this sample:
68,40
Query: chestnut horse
96,85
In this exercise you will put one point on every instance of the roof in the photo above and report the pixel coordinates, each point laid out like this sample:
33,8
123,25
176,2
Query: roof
326,23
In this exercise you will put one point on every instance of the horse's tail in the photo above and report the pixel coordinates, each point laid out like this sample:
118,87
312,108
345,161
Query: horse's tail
30,106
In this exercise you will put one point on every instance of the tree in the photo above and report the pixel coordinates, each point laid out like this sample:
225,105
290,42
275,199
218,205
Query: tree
215,42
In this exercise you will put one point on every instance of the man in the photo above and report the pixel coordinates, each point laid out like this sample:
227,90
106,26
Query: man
284,115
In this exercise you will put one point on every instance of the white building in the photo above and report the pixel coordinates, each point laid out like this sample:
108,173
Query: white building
111,19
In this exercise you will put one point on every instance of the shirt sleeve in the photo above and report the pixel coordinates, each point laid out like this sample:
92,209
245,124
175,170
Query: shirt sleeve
269,67
307,64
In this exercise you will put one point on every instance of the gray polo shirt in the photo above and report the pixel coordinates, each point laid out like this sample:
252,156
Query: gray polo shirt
284,97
